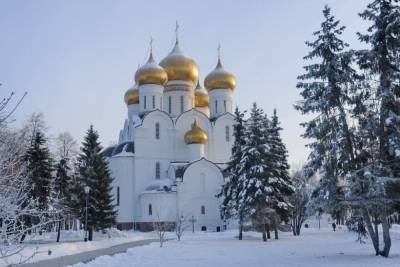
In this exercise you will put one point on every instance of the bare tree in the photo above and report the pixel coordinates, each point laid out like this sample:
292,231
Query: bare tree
16,205
161,228
299,199
180,226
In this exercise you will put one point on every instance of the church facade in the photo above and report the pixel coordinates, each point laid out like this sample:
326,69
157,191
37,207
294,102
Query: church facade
174,145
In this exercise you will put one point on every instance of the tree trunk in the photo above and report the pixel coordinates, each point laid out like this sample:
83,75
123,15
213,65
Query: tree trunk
264,237
59,231
268,232
372,234
386,236
90,234
276,230
240,228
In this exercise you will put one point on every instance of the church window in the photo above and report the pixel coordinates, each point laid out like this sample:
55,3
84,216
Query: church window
216,106
161,103
203,210
170,104
154,101
157,170
118,196
224,105
227,134
144,102
181,103
157,130
150,210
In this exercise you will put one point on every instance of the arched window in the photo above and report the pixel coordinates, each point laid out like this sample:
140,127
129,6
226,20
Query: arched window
227,134
216,106
117,195
144,102
203,210
224,105
161,105
181,103
153,101
157,170
170,104
150,210
157,130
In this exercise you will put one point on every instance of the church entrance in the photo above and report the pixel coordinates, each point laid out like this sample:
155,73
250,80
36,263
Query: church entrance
203,228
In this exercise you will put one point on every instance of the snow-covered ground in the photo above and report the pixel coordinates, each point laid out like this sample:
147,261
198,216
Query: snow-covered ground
313,248
71,242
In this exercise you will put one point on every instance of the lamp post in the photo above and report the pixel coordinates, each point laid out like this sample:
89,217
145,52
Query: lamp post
87,189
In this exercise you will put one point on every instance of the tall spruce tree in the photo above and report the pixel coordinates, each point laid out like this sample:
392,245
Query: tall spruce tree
39,169
230,189
94,173
280,182
326,91
374,187
62,189
255,192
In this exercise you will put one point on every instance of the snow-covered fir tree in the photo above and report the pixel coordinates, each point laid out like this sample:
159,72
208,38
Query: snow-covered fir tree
94,173
39,168
229,192
280,182
255,192
374,187
325,88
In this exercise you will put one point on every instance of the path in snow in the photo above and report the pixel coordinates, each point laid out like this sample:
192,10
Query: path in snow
89,255
314,248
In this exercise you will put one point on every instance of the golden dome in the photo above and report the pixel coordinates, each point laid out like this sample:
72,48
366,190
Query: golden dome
219,78
180,67
196,135
132,96
151,73
201,98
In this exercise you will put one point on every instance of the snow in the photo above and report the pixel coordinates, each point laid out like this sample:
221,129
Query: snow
313,248
72,243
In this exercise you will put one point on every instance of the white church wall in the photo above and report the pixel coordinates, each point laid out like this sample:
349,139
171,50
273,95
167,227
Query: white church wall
122,170
149,150
221,145
163,206
200,184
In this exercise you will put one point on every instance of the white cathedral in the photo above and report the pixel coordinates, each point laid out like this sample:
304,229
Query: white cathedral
174,145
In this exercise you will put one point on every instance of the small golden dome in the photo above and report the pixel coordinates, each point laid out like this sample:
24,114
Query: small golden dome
219,78
201,98
179,67
151,73
196,135
132,96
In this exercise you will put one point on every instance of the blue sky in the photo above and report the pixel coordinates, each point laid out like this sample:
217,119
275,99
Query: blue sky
77,58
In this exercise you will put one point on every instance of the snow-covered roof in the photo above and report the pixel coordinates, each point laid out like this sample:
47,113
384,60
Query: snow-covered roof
161,185
123,149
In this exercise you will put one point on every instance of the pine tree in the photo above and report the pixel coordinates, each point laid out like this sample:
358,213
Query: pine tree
39,170
375,185
230,188
94,173
255,191
326,90
280,182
